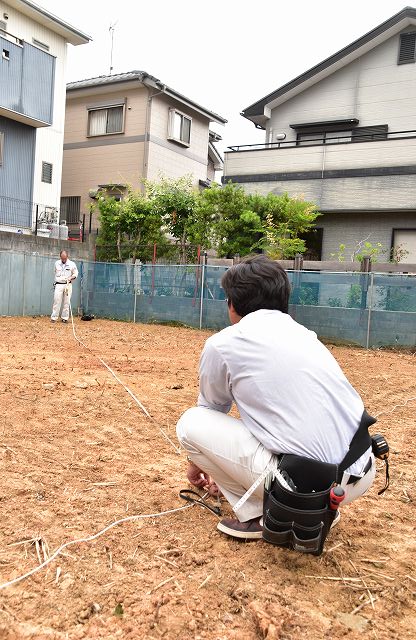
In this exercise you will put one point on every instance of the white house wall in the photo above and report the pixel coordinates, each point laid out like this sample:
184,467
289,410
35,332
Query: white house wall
171,158
49,140
374,89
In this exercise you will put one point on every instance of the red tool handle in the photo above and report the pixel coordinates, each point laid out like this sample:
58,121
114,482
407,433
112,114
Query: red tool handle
336,496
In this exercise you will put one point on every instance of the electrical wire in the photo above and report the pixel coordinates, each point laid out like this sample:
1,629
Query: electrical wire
396,406
90,539
125,387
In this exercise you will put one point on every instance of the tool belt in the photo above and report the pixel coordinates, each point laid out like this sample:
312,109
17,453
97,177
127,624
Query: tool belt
296,507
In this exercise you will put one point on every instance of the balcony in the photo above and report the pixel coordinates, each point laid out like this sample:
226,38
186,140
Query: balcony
392,154
26,81
338,176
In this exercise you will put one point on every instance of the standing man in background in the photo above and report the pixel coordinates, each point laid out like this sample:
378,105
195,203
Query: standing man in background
65,272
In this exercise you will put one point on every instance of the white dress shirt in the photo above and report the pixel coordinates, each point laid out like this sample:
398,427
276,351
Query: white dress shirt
291,393
65,270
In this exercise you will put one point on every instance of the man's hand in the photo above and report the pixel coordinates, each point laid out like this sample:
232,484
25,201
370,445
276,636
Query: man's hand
196,476
200,479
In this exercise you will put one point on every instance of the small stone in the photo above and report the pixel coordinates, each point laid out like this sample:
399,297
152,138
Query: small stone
353,622
49,386
80,385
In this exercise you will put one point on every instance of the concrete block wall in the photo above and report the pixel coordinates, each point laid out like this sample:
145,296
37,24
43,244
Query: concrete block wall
37,245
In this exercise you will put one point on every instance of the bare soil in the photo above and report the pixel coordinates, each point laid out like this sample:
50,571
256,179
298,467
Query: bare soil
76,453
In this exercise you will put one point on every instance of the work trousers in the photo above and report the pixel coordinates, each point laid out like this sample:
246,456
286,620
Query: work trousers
61,298
225,449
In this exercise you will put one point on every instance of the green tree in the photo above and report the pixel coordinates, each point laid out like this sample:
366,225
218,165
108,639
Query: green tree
241,222
131,225
175,201
234,228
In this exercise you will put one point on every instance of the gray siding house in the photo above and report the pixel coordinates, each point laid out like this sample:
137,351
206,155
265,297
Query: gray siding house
33,46
343,134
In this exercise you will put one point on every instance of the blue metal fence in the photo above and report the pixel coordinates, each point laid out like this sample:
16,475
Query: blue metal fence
370,310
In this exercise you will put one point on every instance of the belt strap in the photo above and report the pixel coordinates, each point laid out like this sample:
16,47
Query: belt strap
359,444
353,479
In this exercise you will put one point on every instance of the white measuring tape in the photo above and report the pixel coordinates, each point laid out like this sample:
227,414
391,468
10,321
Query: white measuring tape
272,466
125,387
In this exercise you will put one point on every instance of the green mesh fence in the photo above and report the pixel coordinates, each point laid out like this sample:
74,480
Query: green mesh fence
370,310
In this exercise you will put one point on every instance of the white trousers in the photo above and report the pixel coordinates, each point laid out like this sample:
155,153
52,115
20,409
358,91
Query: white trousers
60,298
225,449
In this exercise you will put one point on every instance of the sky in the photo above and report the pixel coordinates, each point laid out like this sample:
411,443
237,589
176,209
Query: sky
224,54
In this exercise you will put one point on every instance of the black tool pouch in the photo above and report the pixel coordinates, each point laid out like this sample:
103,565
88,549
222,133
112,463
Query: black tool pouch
299,519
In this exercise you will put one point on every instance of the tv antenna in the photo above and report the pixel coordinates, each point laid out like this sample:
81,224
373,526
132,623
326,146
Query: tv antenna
111,29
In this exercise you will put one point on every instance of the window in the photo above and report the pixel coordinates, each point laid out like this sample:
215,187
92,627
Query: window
71,209
323,137
179,127
46,172
407,48
367,134
1,147
3,25
102,122
5,54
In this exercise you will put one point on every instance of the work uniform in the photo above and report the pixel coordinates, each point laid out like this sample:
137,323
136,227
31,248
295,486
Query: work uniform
64,272
292,397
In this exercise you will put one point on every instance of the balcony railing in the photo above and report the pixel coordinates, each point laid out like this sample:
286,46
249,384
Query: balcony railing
321,140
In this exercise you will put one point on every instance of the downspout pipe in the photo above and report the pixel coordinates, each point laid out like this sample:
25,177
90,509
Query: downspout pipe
148,118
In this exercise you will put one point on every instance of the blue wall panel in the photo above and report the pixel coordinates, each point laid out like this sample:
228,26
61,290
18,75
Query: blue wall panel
27,80
16,173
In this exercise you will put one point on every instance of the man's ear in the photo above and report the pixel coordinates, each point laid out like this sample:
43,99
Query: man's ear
234,316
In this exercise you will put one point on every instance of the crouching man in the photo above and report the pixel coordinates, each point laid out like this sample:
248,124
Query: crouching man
291,394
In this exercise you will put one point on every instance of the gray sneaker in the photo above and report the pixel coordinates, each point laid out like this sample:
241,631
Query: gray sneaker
250,530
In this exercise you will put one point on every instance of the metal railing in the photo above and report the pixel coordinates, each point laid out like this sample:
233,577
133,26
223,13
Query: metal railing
23,214
322,140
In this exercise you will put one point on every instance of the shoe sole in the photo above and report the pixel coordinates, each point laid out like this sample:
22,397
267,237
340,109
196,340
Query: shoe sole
242,535
336,520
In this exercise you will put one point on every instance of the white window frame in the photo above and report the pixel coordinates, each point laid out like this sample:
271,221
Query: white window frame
171,136
106,108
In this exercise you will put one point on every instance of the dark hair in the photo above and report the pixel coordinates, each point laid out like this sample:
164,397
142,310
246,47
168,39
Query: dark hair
256,283
63,251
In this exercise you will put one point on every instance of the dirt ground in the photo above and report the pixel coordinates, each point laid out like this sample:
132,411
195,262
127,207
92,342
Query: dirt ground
77,454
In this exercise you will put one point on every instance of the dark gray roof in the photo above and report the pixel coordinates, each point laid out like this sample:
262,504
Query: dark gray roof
257,108
140,76
100,80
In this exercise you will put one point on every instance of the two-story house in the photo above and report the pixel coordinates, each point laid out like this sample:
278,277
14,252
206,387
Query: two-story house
343,135
33,49
126,128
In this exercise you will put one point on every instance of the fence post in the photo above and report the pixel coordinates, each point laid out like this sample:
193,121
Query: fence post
24,287
298,263
370,306
36,219
365,270
204,263
135,292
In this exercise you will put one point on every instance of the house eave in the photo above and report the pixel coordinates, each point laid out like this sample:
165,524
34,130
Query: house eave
104,84
259,112
50,21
